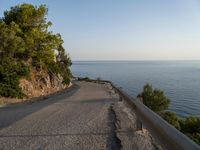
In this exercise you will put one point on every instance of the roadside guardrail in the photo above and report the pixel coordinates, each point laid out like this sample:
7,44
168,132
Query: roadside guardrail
164,133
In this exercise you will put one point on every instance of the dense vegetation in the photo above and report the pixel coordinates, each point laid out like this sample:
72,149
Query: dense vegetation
25,42
157,101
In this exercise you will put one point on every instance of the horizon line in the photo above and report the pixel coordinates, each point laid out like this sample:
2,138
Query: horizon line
142,60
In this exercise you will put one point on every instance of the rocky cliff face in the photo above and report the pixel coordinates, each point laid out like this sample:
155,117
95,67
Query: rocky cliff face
41,83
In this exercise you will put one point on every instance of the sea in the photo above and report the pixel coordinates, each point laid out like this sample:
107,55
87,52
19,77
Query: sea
180,80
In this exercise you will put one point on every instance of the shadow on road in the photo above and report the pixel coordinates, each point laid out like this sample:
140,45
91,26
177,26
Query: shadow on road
13,113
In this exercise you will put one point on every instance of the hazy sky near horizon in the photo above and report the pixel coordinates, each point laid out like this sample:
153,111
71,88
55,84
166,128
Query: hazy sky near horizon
124,29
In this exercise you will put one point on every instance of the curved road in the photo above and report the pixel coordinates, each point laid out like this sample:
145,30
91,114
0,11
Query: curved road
81,117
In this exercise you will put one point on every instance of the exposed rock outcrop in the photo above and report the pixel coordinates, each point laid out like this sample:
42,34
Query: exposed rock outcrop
41,83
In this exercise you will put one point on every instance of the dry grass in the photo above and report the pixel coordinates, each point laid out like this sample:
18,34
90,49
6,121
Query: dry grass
5,101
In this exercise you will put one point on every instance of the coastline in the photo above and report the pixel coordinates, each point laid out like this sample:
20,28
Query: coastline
156,133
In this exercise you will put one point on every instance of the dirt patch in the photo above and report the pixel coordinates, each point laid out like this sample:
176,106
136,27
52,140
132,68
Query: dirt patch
4,101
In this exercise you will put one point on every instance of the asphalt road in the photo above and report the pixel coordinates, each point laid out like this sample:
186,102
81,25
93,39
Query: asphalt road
87,116
75,119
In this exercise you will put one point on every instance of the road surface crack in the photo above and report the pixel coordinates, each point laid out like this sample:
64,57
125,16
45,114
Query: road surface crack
114,143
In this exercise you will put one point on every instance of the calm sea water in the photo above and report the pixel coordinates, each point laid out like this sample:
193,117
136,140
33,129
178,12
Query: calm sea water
179,79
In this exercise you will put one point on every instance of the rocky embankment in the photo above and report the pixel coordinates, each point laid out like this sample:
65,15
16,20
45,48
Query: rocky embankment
39,83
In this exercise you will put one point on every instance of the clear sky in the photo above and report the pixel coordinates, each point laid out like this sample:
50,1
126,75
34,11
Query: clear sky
124,29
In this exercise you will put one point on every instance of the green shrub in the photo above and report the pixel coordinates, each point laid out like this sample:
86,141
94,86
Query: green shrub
66,80
66,76
158,102
54,68
155,99
191,127
172,118
10,73
8,90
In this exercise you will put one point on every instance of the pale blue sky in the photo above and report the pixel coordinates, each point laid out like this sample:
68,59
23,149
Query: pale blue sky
124,29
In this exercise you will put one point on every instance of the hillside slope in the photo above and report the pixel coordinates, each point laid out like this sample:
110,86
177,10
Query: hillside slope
33,61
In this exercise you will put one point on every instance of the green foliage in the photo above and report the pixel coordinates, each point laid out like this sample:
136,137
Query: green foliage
10,44
154,99
25,39
54,68
66,79
10,72
63,63
27,26
27,16
158,102
172,118
191,127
